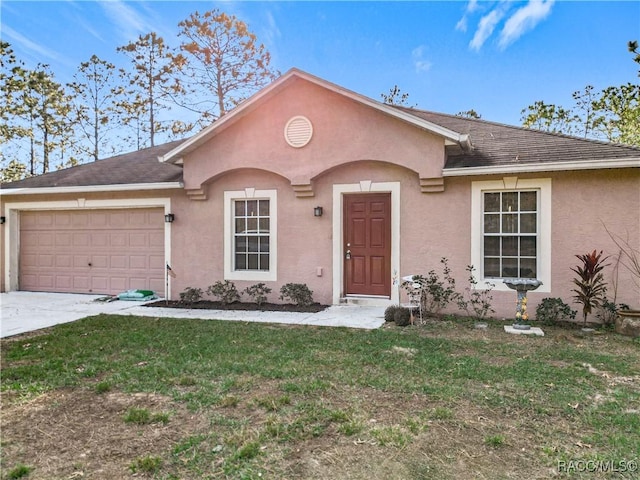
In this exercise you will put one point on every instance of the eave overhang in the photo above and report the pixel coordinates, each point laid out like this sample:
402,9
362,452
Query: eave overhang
543,167
126,187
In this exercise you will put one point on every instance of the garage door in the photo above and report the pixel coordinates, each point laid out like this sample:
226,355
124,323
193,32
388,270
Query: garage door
92,251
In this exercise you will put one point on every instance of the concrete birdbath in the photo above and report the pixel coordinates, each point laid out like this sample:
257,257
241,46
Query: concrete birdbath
522,286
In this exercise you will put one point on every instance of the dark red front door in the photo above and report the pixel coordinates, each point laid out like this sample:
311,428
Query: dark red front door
367,244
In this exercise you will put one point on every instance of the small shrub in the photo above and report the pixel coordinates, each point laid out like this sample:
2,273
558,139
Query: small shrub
19,471
225,291
437,293
608,311
590,282
553,310
402,316
298,293
258,293
476,302
390,313
191,295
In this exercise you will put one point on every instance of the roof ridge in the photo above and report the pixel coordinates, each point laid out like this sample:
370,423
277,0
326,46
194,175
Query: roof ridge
520,128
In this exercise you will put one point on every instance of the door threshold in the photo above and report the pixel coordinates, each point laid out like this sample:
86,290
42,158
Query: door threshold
366,300
351,295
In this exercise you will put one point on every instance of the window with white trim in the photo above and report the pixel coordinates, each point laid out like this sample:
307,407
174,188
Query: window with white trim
510,234
251,236
511,230
250,233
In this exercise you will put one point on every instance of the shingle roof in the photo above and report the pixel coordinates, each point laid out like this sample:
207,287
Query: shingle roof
496,144
137,167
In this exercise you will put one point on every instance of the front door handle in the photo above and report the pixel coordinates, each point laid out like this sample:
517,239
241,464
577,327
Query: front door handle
348,255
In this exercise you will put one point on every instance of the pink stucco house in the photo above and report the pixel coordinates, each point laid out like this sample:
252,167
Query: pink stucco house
398,189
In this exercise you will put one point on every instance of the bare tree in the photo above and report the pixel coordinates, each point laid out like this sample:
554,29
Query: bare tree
224,63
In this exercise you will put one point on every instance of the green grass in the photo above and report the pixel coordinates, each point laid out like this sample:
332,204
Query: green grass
142,416
19,471
269,390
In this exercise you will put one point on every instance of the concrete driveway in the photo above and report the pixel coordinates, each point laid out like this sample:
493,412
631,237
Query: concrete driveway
22,312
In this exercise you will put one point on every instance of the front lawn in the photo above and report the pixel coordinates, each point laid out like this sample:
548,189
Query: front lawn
130,397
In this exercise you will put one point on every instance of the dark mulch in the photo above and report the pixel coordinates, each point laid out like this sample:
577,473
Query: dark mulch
265,307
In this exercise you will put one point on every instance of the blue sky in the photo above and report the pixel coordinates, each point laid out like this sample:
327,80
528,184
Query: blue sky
494,57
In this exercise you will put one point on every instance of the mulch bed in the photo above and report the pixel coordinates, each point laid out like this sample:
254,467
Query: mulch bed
265,307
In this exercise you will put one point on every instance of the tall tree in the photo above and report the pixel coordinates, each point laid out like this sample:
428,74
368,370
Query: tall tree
611,115
12,83
151,83
548,117
95,94
13,171
395,97
619,114
47,107
224,63
35,108
12,109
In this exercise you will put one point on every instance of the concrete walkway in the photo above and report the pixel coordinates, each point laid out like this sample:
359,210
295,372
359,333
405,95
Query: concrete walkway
22,312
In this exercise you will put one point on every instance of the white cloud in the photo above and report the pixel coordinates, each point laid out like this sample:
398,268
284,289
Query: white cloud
472,6
127,20
29,45
523,20
420,64
486,25
271,30
88,27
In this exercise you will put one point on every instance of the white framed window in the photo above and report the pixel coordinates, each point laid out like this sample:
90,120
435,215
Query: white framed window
250,233
510,234
511,230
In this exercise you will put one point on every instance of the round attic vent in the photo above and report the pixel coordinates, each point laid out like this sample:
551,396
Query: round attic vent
298,131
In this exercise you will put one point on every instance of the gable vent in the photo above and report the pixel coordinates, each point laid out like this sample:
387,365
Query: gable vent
298,131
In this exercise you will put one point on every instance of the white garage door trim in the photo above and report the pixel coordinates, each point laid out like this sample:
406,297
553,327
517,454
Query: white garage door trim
12,226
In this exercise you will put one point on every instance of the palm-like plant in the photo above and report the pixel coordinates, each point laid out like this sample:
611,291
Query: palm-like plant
590,283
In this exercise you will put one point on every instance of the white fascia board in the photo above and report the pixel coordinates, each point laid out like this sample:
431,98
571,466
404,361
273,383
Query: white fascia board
449,135
126,187
543,167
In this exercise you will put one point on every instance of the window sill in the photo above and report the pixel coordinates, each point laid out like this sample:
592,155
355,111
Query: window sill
251,276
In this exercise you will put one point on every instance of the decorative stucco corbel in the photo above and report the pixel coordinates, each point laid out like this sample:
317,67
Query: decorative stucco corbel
303,189
196,193
432,185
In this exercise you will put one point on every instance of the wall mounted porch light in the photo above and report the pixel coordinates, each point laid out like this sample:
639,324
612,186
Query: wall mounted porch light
169,218
2,220
317,212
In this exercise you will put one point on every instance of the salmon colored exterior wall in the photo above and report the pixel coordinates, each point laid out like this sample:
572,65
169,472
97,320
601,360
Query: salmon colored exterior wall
343,131
354,143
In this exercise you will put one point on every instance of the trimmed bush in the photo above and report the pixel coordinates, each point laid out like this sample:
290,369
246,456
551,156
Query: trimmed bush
258,292
225,291
390,313
297,293
191,295
554,310
402,317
